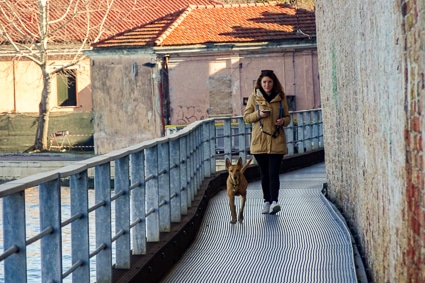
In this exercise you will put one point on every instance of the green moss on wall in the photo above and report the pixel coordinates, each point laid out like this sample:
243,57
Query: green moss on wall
17,131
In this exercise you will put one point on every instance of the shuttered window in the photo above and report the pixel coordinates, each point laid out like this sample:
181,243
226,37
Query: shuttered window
66,88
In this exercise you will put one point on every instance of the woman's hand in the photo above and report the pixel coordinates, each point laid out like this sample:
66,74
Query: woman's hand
264,113
279,123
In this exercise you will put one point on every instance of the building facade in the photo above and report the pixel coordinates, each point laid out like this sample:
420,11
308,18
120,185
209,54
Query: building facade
71,100
174,71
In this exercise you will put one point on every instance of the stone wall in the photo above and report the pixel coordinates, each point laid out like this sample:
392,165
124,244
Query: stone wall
371,64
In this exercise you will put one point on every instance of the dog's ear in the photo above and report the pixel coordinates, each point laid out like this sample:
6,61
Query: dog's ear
227,163
240,161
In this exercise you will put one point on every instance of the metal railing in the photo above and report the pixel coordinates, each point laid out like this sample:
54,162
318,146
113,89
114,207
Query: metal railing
153,186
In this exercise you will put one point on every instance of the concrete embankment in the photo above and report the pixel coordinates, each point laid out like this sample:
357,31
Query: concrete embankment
16,166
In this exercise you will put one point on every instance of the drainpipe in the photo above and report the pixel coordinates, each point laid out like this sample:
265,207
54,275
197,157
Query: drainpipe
161,102
295,76
164,93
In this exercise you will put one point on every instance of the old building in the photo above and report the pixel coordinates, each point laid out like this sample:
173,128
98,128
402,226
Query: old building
197,63
71,101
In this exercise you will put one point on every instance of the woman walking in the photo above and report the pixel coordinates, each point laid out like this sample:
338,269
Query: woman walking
267,111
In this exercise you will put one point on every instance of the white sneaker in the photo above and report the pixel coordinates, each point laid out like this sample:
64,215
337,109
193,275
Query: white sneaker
266,207
274,208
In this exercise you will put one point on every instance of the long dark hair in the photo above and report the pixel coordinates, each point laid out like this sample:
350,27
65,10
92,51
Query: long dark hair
277,86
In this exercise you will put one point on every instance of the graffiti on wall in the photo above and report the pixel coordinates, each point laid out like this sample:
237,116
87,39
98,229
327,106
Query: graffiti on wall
187,114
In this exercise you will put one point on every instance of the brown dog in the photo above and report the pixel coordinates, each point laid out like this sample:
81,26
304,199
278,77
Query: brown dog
236,186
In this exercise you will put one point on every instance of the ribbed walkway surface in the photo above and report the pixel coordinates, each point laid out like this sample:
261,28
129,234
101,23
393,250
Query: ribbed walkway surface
305,242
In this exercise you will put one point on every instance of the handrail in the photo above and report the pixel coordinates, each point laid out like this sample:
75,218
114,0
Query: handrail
154,184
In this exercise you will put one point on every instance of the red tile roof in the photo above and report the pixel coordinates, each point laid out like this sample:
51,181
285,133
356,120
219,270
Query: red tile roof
220,24
123,15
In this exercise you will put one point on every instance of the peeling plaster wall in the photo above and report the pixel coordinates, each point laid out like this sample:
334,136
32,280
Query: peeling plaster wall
371,65
126,102
213,85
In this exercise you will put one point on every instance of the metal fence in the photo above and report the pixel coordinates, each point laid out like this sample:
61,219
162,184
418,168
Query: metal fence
154,184
303,134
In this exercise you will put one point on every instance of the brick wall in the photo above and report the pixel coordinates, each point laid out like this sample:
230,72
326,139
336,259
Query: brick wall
413,255
371,64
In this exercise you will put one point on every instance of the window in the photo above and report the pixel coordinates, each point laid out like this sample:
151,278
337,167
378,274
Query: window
66,87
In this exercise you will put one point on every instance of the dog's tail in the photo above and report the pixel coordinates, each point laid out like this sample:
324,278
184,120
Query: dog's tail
246,165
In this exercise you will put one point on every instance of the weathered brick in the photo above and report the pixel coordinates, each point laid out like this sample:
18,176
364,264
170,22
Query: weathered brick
421,218
416,126
419,145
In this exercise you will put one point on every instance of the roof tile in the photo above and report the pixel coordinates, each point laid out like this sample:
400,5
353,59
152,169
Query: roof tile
202,24
123,15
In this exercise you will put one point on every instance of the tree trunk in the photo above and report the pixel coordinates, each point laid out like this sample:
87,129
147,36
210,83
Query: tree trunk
40,143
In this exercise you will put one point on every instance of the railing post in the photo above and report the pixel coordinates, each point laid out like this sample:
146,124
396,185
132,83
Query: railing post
320,129
194,162
184,180
212,142
138,202
191,166
227,132
300,132
242,138
50,218
152,220
206,153
315,129
290,136
122,212
193,177
175,185
15,266
80,227
199,173
164,187
307,131
102,189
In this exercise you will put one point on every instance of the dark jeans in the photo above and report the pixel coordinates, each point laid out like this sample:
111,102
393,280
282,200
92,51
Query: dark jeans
269,165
